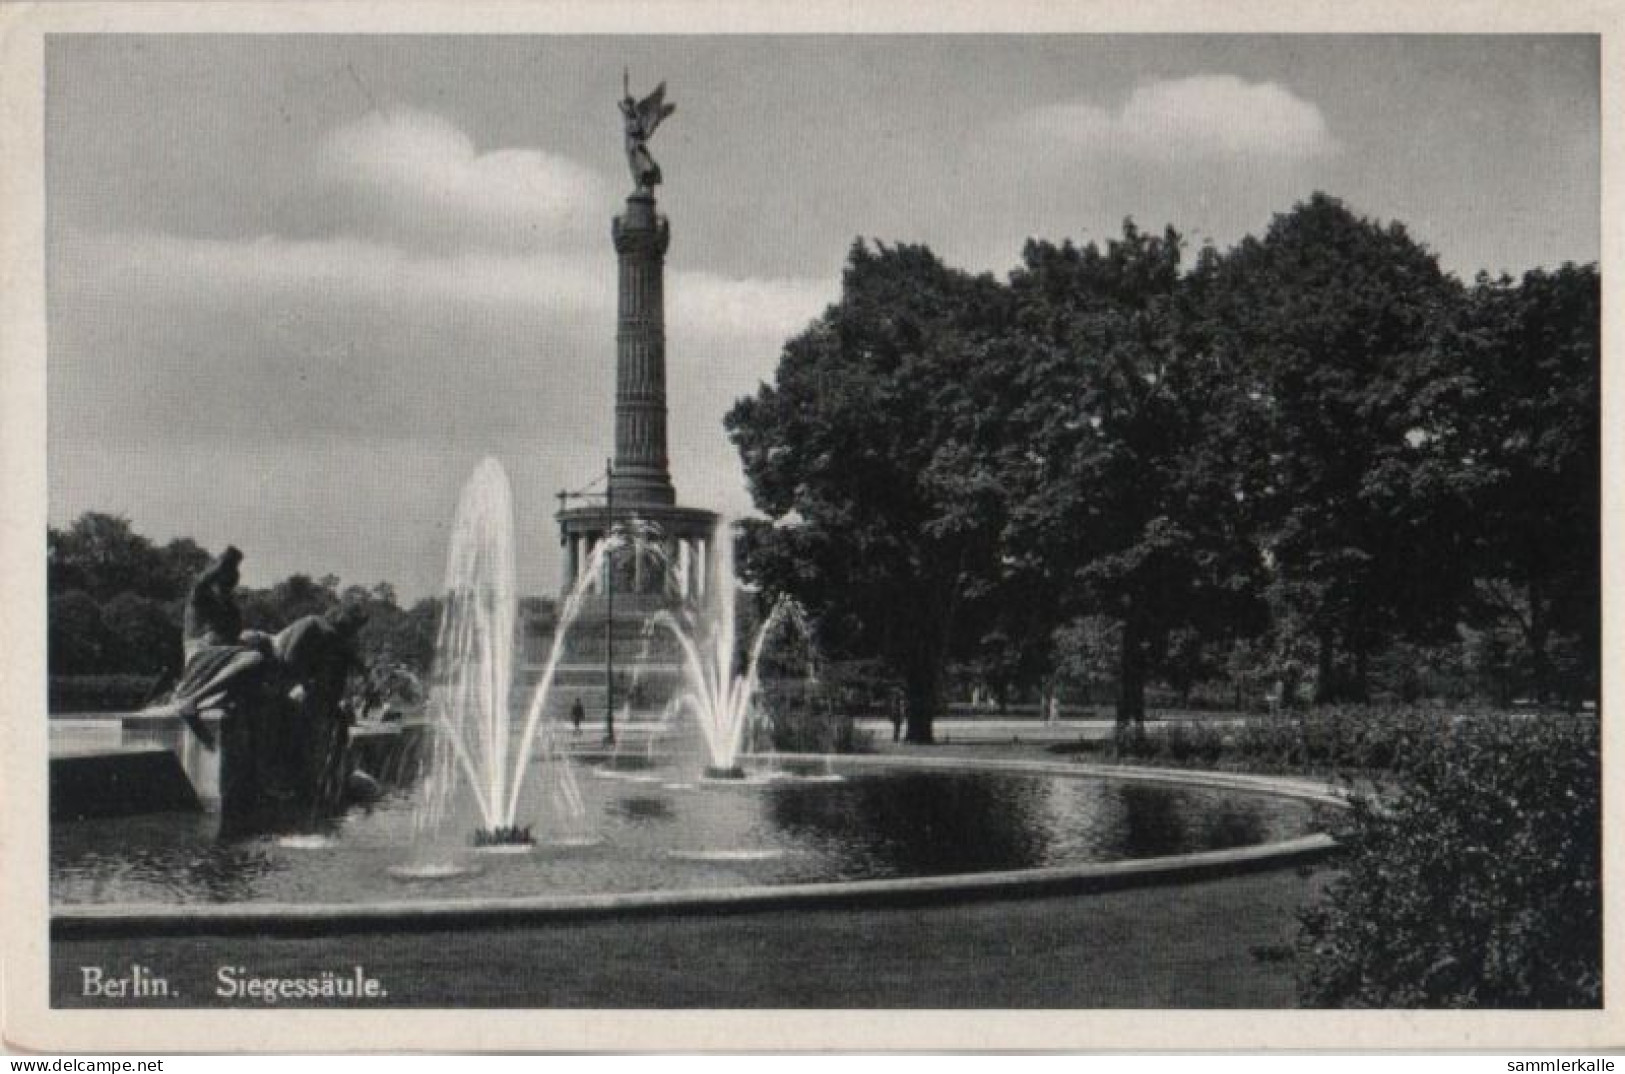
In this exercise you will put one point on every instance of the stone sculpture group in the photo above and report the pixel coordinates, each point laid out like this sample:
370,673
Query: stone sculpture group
284,728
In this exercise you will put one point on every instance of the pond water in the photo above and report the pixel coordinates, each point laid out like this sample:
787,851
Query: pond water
654,828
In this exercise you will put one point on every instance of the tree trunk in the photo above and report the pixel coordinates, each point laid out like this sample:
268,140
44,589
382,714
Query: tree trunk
922,701
1539,629
1131,676
1359,688
1325,668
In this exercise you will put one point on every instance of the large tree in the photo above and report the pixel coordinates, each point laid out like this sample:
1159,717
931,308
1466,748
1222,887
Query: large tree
1522,426
863,452
1125,500
143,638
76,639
117,600
1331,320
137,590
102,555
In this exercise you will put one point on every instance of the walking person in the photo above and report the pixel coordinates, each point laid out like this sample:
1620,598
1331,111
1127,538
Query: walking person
577,714
897,717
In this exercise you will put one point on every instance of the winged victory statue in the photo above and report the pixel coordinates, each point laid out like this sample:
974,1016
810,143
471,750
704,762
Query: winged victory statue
642,117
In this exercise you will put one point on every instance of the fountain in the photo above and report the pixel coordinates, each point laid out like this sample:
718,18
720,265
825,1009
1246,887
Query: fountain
916,824
471,702
721,701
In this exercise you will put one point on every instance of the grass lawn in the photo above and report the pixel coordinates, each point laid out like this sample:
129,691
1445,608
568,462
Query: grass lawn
1192,946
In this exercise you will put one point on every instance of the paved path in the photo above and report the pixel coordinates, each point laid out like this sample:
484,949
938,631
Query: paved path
995,729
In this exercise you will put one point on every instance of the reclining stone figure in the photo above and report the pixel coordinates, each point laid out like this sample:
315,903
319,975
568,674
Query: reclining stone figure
284,731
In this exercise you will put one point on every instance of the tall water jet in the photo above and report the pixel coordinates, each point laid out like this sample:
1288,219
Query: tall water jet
634,537
473,682
722,702
473,663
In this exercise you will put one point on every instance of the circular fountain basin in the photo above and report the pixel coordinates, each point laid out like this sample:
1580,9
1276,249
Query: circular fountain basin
434,870
733,854
744,778
306,842
889,830
569,842
624,775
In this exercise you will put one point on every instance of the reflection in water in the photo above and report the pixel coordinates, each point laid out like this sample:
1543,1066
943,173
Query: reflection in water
643,807
921,822
1160,820
627,762
1232,828
161,856
1152,819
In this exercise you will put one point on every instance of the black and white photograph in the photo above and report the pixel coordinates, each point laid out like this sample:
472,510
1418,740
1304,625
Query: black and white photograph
631,518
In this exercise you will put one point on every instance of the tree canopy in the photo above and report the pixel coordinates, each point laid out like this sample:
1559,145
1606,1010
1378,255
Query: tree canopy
1123,494
1332,320
116,600
1279,462
1307,457
864,455
1522,427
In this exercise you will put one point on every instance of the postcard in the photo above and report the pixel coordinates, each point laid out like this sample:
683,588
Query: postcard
685,527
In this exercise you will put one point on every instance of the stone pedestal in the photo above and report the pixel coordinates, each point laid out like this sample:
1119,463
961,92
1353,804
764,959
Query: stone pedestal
119,781
202,766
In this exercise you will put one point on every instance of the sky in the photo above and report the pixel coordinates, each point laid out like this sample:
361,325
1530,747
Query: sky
298,286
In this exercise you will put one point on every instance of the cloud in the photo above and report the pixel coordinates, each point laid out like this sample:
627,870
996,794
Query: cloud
209,358
273,337
421,304
1202,117
718,305
270,270
414,177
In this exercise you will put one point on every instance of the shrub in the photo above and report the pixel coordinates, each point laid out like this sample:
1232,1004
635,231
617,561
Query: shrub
142,637
1475,883
798,729
1193,741
1178,742
1131,742
99,693
77,640
1337,738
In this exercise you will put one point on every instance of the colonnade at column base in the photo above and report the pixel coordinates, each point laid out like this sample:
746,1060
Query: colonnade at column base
644,581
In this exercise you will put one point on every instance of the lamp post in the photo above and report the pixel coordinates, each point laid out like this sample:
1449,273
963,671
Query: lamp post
609,604
609,590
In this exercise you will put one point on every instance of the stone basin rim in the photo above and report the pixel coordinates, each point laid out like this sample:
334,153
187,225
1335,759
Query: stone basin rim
402,915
